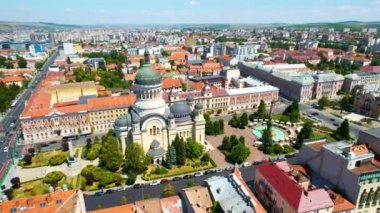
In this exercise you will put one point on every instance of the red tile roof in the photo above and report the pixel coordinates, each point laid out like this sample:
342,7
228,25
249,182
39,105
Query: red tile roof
10,79
168,83
285,184
371,69
110,102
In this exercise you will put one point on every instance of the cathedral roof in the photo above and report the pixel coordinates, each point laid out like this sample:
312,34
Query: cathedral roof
121,121
155,150
147,76
181,111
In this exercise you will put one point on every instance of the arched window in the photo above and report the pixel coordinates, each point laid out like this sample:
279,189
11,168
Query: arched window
150,131
158,131
154,130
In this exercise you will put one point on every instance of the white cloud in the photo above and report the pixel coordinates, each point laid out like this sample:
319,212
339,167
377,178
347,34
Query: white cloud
345,7
194,2
354,9
375,2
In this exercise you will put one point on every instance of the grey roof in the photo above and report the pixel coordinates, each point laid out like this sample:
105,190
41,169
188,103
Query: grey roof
121,121
229,194
189,98
374,132
199,105
181,111
155,150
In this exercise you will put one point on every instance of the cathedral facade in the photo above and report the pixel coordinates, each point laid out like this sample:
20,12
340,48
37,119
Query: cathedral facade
152,123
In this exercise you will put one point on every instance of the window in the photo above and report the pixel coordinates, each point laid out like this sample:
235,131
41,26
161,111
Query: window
59,201
43,204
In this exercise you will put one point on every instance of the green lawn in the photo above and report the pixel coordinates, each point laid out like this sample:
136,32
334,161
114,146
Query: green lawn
34,187
191,166
281,117
42,159
318,134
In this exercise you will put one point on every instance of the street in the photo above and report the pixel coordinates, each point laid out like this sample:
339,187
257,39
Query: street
328,120
12,133
132,195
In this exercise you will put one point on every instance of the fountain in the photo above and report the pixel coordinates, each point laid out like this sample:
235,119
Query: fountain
277,133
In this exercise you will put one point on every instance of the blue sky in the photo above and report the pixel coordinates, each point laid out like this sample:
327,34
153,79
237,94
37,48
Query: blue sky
188,11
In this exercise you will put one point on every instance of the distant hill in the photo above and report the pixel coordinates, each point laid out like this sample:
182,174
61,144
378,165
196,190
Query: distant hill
353,25
8,26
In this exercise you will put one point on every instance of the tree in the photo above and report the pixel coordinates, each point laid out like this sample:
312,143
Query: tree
305,133
171,157
165,53
16,183
31,151
375,62
68,60
206,158
168,190
221,126
234,140
135,159
123,200
172,63
343,131
216,127
244,119
38,65
110,156
239,153
190,183
345,103
22,63
194,150
181,152
266,137
53,177
241,139
324,102
235,121
226,144
184,86
262,110
293,112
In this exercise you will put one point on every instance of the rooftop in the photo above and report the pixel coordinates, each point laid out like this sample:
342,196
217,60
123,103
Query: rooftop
199,198
250,90
282,180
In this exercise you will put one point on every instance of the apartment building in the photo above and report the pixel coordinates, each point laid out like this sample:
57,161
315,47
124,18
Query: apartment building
352,169
371,81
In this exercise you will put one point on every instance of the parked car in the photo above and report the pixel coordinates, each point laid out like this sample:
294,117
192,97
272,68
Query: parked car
100,193
110,191
218,170
176,179
207,172
6,149
164,180
257,162
198,174
119,189
315,113
335,124
332,119
188,176
154,182
138,185
246,164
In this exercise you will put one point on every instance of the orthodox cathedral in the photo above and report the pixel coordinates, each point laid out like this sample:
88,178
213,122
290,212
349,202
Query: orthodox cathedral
152,123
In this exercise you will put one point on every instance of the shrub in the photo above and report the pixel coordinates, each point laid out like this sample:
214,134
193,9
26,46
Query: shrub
93,152
131,179
57,159
206,158
103,176
53,177
160,171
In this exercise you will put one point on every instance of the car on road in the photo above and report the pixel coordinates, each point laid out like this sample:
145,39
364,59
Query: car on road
198,174
100,193
6,149
176,179
218,170
110,191
257,163
207,172
315,113
12,125
188,176
332,119
154,182
335,124
138,185
164,180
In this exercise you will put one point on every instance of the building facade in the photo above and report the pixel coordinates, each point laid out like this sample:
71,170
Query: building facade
351,169
153,124
368,104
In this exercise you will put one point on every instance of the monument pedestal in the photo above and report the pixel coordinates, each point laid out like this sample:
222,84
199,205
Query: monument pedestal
72,161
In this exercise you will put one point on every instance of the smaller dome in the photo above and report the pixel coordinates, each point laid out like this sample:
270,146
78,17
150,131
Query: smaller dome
198,105
121,121
189,98
180,108
155,144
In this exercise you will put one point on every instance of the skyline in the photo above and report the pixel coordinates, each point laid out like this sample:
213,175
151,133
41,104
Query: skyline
178,11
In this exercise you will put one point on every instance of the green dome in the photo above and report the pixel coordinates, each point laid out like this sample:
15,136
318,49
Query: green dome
147,76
